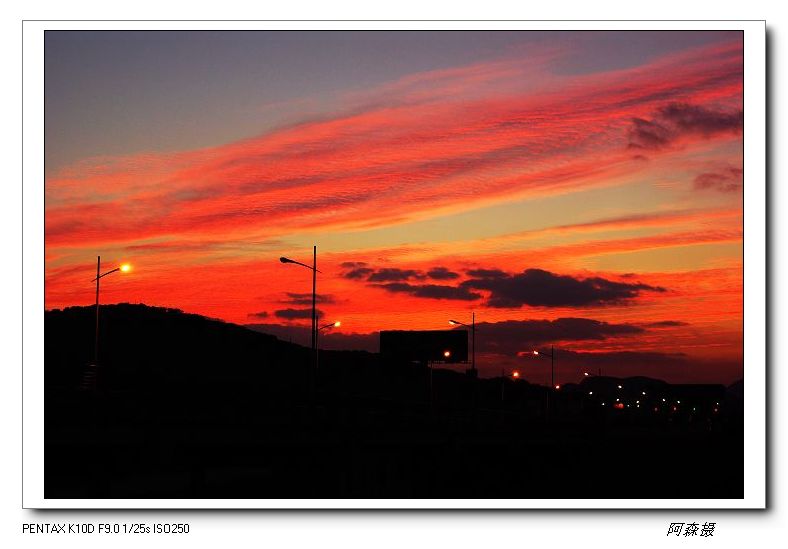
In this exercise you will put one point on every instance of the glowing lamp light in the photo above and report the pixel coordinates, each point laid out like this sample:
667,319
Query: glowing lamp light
125,268
337,324
447,354
557,386
515,374
590,392
619,386
536,352
585,374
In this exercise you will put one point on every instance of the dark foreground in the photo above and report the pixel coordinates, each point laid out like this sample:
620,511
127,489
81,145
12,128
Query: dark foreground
210,423
117,447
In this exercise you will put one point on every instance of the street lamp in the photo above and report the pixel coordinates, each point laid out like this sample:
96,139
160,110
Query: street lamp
124,268
327,326
473,339
553,386
552,363
314,270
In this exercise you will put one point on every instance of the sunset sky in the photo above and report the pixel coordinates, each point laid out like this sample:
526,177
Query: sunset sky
576,189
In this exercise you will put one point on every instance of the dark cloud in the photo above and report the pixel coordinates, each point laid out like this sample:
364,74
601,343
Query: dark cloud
676,119
700,120
533,287
395,275
512,337
442,273
306,298
358,272
645,134
431,291
296,314
539,288
665,324
725,180
261,314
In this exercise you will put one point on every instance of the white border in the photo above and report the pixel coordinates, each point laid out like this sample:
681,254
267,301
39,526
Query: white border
754,268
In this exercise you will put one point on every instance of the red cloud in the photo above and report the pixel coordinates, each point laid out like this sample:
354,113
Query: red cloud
409,155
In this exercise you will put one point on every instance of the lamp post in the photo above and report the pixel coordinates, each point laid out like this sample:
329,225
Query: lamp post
553,386
552,364
327,326
473,339
314,297
124,268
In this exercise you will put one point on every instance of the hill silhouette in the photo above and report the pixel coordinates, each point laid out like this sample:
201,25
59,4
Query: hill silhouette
187,406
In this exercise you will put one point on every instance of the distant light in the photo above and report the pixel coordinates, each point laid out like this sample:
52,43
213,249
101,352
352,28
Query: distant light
717,403
678,402
663,400
644,393
125,267
637,402
590,392
716,410
453,322
557,386
447,354
619,386
603,404
337,324
656,409
618,399
585,374
515,374
638,406
536,352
